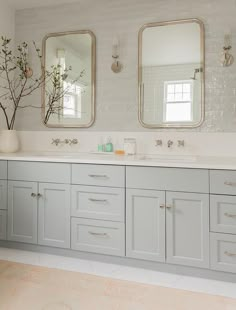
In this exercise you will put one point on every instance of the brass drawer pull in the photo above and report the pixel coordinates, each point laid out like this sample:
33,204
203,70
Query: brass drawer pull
230,183
230,254
33,195
39,195
98,200
230,215
99,176
162,206
98,234
169,207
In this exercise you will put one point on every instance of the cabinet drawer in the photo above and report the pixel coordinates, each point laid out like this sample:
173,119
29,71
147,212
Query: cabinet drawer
223,213
3,224
172,179
3,169
38,171
223,182
98,203
98,175
3,194
223,252
98,236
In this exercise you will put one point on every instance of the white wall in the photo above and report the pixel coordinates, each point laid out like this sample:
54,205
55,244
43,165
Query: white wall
7,28
117,94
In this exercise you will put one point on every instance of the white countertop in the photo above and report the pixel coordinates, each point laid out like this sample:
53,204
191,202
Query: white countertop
157,160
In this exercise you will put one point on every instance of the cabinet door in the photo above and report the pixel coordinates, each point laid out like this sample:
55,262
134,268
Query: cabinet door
3,194
54,215
22,211
145,225
3,224
187,220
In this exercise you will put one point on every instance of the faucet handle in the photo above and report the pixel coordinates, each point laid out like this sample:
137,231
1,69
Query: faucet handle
158,142
170,143
181,143
74,141
56,141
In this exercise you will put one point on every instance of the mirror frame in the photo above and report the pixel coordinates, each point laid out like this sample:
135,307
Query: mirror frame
93,77
140,87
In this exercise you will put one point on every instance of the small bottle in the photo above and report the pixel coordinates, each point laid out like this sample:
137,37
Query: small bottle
101,146
130,146
109,145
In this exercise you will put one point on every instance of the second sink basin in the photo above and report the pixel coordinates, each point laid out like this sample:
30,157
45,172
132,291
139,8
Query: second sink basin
173,158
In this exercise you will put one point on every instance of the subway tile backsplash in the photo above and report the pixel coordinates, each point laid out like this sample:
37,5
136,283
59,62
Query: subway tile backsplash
117,94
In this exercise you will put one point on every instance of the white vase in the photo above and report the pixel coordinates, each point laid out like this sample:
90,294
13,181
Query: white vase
9,141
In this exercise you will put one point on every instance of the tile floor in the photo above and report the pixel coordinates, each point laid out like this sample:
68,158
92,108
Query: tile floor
220,288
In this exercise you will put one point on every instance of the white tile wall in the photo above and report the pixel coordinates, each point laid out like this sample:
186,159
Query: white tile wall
117,94
196,143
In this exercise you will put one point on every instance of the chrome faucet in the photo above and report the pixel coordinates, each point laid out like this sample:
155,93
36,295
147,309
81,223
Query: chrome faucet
58,141
170,143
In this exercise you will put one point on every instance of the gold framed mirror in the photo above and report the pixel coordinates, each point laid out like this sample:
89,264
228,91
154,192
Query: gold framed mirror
68,95
171,74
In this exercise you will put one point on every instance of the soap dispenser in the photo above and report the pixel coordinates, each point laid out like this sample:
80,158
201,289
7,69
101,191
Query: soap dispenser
109,145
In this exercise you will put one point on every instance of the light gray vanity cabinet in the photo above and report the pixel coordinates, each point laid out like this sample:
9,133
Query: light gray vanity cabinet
145,224
22,211
54,215
223,214
223,220
168,225
3,224
95,202
39,212
98,209
3,200
187,229
3,194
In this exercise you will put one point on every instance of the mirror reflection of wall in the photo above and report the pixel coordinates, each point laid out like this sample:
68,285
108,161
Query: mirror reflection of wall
171,70
74,52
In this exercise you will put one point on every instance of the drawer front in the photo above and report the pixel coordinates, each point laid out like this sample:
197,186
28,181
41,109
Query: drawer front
3,169
39,172
223,214
98,175
223,252
3,194
172,179
3,224
98,203
98,236
223,182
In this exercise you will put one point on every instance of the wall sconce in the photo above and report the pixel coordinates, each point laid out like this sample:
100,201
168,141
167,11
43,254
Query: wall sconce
116,66
226,58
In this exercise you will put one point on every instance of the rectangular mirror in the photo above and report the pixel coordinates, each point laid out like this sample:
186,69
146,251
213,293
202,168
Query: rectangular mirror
69,93
171,74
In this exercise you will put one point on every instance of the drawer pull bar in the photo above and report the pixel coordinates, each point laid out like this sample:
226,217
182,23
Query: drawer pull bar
230,215
98,234
230,183
101,176
98,200
230,254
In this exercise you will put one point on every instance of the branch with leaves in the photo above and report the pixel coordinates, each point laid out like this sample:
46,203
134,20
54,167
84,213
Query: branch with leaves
17,81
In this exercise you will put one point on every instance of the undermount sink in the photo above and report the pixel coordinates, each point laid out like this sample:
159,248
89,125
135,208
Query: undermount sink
173,158
55,154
